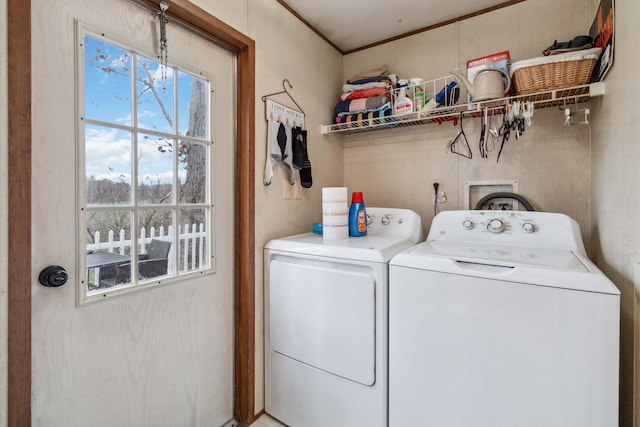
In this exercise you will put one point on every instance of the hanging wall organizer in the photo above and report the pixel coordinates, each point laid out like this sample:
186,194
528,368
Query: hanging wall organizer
286,138
279,112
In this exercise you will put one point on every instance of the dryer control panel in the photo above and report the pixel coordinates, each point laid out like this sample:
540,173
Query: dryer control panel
522,228
394,222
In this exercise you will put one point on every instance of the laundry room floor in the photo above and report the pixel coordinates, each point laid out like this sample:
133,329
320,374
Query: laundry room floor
264,421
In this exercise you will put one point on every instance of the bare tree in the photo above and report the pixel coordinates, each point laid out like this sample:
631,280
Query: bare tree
193,156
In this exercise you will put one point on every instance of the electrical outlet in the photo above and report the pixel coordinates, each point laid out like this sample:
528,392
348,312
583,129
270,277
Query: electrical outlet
438,196
297,191
286,190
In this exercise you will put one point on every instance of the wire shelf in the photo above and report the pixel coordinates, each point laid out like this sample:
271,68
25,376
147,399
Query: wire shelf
546,99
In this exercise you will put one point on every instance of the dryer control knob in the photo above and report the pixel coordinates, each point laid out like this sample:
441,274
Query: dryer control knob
527,227
495,226
467,224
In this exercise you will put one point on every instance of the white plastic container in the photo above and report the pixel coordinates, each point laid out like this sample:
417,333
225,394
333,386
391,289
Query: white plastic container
403,104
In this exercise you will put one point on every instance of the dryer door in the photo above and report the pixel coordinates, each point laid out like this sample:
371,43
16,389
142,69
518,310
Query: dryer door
323,314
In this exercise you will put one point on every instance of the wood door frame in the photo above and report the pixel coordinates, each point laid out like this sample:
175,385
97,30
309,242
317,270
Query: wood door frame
19,204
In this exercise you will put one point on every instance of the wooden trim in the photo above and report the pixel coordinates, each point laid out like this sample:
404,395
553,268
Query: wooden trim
245,239
400,36
438,25
308,24
210,26
19,258
19,215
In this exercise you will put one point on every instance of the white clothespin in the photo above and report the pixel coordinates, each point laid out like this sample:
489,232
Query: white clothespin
527,112
509,115
516,109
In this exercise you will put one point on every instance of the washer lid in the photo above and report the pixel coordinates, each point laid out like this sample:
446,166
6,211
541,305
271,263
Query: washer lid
502,255
557,268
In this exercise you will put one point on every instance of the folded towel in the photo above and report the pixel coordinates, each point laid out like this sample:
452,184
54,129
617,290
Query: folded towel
364,86
364,119
361,104
367,93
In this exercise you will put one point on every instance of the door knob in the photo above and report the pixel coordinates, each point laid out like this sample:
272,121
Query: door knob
53,276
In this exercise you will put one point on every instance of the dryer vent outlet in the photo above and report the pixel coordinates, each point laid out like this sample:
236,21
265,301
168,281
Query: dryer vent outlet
476,190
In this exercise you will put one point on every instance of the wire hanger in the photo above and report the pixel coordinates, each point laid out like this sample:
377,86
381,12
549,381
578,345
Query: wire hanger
264,98
460,139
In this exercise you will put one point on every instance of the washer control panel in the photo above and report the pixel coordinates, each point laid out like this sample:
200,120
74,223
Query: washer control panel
507,227
499,222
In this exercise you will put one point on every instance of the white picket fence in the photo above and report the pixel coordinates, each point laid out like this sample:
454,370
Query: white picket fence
191,239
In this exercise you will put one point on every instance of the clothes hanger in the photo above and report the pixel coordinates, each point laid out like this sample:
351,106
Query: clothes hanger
264,98
460,139
482,145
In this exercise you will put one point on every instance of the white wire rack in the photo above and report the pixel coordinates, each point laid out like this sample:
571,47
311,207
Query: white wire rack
552,98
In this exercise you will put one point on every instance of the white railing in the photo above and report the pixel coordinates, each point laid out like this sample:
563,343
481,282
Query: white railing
191,239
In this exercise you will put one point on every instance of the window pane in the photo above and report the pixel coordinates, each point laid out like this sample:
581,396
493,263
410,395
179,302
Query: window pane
155,231
108,249
155,101
193,172
147,155
107,74
194,247
107,165
193,111
155,169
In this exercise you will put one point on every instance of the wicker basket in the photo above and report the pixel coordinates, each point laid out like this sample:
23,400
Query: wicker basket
554,75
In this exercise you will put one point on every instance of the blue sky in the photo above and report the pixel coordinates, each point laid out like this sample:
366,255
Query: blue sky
108,98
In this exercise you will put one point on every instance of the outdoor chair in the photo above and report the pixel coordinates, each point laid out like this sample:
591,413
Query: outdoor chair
152,264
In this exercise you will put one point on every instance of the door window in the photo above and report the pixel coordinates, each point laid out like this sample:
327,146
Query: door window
145,148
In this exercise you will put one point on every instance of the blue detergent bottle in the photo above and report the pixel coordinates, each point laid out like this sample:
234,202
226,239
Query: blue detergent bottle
357,216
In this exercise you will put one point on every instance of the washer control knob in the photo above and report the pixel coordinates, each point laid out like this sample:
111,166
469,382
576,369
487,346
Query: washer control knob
527,227
386,220
467,224
495,226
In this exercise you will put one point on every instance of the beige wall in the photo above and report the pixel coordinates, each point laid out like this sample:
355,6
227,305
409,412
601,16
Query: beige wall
3,213
615,187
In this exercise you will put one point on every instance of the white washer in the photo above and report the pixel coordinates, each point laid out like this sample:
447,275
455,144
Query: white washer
499,319
326,323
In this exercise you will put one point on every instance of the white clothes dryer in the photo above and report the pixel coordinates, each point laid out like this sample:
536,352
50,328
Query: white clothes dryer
326,323
499,319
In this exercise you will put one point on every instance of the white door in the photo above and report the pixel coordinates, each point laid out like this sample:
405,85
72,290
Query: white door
161,356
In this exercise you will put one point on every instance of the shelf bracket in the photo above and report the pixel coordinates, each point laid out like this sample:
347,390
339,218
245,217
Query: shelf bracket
596,89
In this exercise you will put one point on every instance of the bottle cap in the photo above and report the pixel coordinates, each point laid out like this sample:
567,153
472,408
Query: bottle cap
356,197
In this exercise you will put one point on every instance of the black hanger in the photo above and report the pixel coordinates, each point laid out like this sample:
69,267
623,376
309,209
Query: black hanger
264,98
460,139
